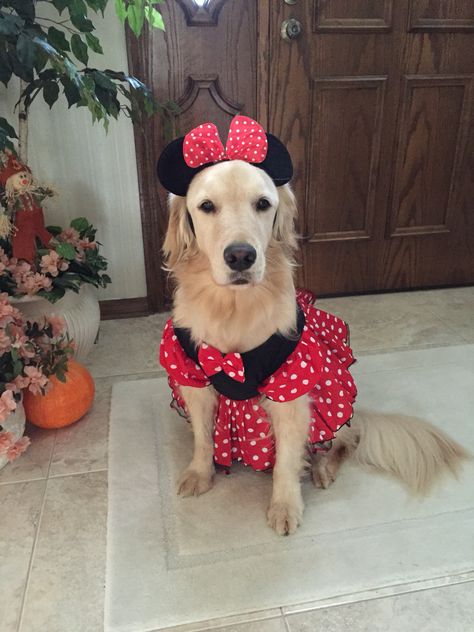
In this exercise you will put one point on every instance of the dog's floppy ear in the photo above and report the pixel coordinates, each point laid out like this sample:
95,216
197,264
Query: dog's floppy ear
284,227
179,236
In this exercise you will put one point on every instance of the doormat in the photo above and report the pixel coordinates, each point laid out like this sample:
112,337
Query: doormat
173,560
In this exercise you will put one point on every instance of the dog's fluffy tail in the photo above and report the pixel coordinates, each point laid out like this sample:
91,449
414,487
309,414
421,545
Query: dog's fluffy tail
414,451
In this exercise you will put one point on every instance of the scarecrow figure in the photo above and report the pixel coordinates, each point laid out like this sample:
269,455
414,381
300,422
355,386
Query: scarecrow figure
21,216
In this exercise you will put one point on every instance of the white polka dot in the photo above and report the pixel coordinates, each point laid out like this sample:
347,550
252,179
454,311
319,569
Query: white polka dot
224,454
328,382
255,457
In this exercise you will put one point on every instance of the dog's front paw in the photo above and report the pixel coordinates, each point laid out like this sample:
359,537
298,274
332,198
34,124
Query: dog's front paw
285,517
194,483
324,471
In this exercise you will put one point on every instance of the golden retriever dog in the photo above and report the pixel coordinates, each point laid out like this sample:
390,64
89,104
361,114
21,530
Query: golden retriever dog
237,308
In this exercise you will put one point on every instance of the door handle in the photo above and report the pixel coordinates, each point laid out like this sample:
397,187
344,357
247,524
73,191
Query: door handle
291,29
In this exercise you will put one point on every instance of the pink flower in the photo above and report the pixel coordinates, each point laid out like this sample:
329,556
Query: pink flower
5,342
38,381
6,440
17,448
7,404
52,264
31,282
19,383
87,245
57,323
70,236
7,311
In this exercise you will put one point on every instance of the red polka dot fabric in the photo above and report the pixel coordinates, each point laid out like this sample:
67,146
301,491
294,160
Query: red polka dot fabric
246,141
318,367
212,362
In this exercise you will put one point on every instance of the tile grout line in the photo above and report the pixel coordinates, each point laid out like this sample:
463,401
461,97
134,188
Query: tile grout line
446,324
35,541
286,623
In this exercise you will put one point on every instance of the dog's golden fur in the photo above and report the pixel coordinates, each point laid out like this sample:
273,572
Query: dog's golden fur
238,318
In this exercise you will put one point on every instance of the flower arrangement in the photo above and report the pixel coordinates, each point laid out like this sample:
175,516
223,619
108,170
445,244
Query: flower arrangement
30,354
70,259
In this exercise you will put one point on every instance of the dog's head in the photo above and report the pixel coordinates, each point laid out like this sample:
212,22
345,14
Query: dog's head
232,213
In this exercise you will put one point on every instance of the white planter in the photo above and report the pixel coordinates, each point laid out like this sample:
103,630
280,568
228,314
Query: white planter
14,423
80,311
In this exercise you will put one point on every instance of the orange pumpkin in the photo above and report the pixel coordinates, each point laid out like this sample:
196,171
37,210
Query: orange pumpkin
65,402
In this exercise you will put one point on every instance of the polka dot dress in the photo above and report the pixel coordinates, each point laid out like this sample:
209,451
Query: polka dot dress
318,367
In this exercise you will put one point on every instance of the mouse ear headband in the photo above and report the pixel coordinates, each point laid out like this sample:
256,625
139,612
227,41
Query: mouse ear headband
184,157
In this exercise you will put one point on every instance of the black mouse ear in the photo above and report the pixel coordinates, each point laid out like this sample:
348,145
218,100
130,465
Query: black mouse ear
277,162
173,172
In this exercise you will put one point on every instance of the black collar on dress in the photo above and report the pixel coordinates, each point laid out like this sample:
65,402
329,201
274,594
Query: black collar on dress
259,363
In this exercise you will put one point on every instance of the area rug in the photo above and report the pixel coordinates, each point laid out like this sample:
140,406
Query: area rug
172,561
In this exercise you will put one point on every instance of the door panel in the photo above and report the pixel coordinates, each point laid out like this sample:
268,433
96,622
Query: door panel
441,15
432,135
358,15
343,159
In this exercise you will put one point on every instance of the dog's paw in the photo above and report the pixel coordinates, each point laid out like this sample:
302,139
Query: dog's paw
194,483
285,518
324,471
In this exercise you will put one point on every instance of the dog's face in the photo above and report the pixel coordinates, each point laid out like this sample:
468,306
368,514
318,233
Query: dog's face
236,210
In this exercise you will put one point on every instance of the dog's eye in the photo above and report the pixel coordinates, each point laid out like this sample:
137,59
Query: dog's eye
263,204
207,206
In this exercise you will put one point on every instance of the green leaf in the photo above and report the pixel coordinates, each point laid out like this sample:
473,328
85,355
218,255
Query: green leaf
102,80
71,92
60,5
82,23
136,16
24,8
93,43
58,39
54,230
5,69
121,10
79,48
154,17
10,24
48,49
66,251
77,7
9,131
80,224
50,92
26,51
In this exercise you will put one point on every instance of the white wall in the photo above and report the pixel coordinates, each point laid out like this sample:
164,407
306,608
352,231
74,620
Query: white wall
94,172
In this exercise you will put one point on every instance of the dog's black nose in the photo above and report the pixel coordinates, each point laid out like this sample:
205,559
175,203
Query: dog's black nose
240,256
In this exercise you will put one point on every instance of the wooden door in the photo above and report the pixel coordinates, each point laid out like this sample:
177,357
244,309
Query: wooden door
374,99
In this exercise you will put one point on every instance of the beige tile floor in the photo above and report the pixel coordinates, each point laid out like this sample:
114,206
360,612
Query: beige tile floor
54,499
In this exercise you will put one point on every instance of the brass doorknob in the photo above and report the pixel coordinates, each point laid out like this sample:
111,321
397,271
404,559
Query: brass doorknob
291,29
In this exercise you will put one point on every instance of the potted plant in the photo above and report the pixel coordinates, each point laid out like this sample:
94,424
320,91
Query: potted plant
30,355
50,55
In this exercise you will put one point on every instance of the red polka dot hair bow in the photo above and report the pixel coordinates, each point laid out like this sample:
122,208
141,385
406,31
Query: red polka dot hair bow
212,361
246,141
202,147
